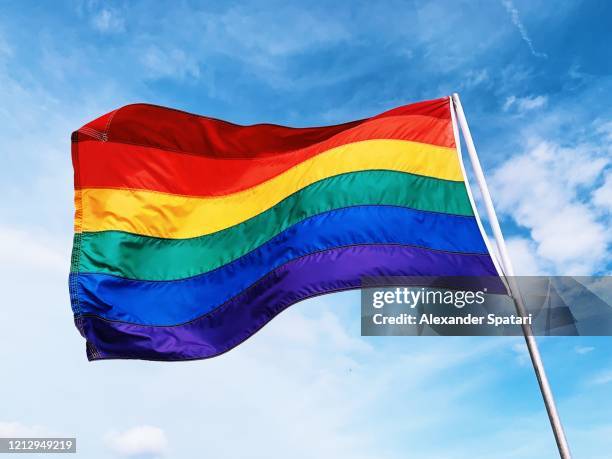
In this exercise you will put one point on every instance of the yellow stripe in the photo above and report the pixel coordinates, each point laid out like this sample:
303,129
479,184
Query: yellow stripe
173,216
78,211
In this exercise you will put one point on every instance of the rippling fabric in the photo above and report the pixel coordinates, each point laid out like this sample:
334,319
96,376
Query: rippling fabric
135,257
233,322
172,216
191,233
121,165
118,298
117,250
173,130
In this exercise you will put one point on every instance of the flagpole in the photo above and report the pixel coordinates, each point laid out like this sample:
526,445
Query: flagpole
508,271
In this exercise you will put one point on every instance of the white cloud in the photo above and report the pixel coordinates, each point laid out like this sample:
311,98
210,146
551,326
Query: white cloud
509,102
581,350
602,196
604,377
542,190
475,78
140,441
107,20
524,104
516,20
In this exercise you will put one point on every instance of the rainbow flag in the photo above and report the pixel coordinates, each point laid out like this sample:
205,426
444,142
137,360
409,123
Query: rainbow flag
192,233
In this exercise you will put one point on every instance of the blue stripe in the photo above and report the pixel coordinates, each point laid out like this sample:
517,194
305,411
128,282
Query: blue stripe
179,301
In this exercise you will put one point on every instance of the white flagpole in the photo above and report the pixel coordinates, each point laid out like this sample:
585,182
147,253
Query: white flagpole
508,270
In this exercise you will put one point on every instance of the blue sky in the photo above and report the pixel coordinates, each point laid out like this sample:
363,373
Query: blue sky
535,80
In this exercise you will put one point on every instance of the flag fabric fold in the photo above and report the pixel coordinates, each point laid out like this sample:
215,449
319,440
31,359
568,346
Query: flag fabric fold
192,233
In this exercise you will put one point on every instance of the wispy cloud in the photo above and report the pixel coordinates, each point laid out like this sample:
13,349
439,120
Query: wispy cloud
516,20
524,104
604,377
582,350
605,129
268,39
108,20
602,196
169,63
288,30
474,78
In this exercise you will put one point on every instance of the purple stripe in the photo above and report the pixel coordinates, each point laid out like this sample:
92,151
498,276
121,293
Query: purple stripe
242,316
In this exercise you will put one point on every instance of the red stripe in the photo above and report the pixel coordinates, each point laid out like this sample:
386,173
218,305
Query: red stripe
168,129
118,165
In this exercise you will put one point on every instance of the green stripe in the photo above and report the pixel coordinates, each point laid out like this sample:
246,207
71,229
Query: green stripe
143,257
